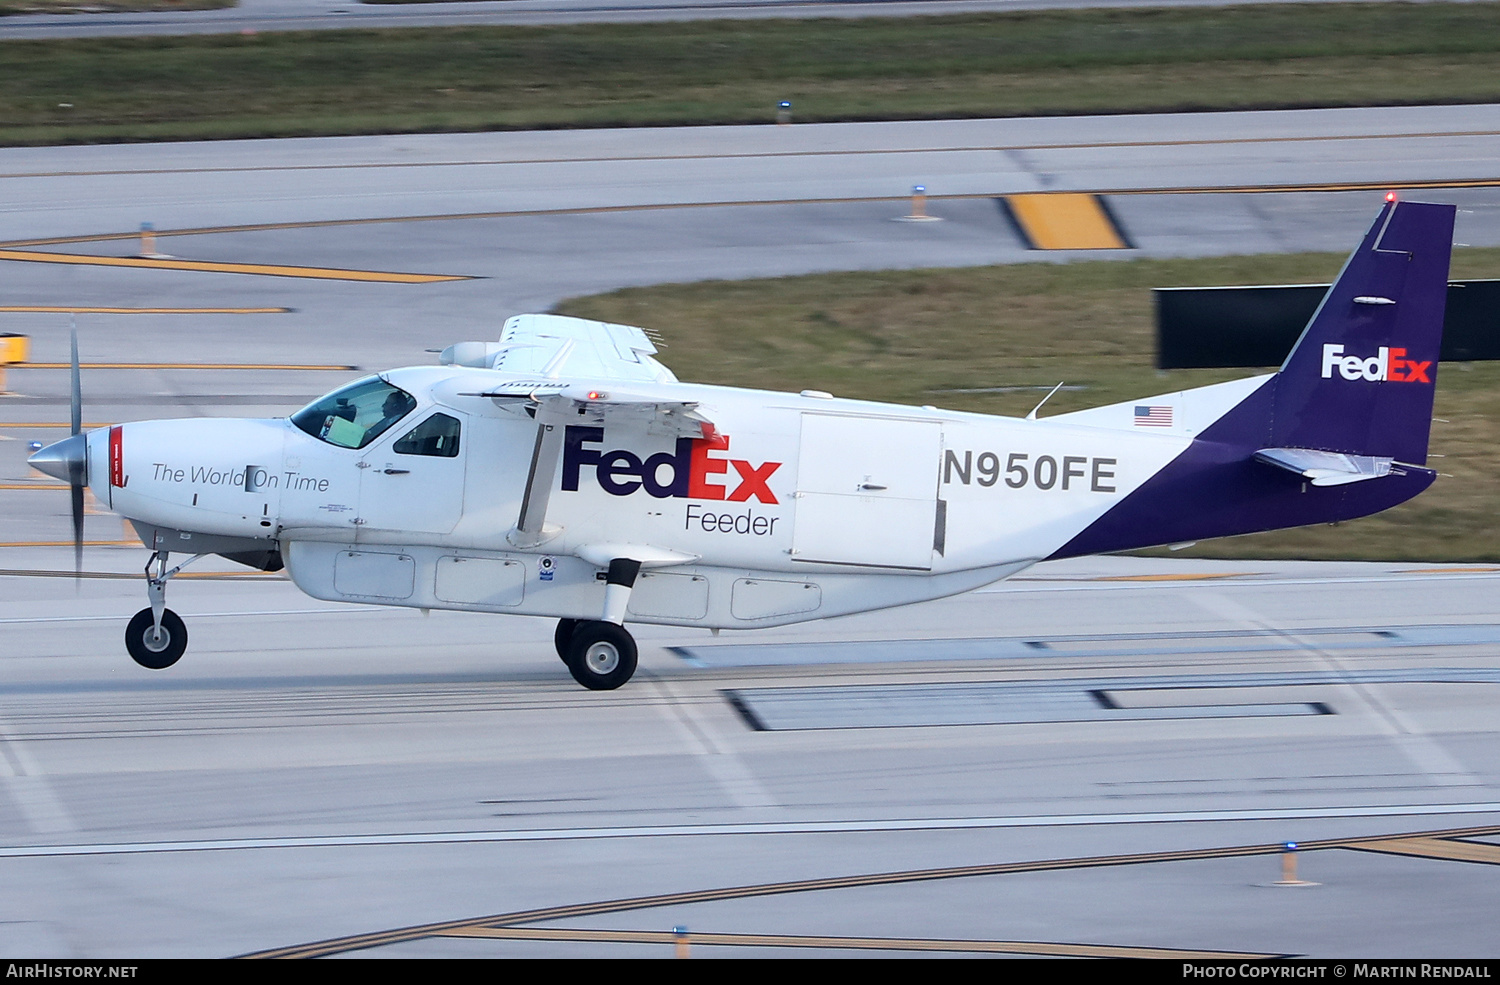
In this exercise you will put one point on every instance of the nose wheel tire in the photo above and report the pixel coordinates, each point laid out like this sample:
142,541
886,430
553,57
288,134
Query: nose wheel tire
601,656
562,635
155,649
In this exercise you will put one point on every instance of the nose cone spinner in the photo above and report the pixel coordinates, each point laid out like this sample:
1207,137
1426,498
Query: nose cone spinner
66,460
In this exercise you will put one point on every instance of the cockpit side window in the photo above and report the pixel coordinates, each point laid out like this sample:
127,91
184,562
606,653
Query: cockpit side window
436,437
355,415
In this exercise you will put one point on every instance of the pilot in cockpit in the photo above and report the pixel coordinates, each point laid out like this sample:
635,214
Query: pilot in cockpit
395,407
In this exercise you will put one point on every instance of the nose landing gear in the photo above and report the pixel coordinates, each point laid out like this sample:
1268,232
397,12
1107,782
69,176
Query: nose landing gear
153,647
156,637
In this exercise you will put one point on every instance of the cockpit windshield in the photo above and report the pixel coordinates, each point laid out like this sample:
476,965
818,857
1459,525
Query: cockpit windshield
355,415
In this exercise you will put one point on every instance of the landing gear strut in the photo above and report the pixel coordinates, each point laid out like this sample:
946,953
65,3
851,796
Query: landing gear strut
156,637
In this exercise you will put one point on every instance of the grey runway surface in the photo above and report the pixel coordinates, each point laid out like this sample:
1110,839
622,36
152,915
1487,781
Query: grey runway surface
311,772
1118,743
322,15
80,191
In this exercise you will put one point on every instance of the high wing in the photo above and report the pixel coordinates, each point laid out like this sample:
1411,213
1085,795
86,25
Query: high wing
569,370
549,347
653,408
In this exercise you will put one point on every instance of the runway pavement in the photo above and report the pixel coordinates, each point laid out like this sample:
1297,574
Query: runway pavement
1099,757
320,15
310,772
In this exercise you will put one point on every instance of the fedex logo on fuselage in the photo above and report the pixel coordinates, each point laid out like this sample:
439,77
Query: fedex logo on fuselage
1390,365
692,471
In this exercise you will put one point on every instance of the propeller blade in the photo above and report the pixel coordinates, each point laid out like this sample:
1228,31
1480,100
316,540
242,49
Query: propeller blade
77,532
77,389
76,474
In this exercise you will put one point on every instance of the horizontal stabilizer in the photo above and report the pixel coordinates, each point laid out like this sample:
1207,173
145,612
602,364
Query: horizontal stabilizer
1325,468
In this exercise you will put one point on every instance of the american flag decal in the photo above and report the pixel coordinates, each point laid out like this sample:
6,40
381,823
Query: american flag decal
1153,416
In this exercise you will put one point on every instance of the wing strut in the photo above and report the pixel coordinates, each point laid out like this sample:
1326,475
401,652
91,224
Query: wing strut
531,528
554,405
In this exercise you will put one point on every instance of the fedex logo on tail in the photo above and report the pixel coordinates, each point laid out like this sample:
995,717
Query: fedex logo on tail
1387,365
693,471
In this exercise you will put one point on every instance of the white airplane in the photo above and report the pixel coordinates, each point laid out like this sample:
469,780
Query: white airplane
562,471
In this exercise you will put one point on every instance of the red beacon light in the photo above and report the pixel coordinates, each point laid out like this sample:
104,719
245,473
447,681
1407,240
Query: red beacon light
1390,196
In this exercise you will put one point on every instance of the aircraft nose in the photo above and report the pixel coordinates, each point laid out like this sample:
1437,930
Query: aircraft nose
66,460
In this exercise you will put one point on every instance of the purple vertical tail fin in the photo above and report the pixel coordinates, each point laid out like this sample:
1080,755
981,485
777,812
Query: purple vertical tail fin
1359,384
1361,378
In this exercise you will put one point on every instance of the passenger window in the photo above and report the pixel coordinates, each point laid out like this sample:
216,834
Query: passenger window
436,437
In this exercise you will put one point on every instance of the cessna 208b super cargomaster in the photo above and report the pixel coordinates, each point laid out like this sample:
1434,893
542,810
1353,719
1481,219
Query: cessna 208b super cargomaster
562,471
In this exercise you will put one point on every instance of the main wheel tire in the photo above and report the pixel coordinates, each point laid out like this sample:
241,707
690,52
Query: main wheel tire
601,655
562,635
150,649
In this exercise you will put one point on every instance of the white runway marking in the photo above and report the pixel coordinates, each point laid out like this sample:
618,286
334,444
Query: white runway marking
1416,745
717,759
757,828
27,784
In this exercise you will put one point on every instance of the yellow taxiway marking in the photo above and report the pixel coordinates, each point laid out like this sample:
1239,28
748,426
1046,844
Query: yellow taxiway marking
74,310
69,543
848,943
452,928
1457,851
1065,221
51,486
87,425
258,227
1450,571
269,270
276,367
1178,577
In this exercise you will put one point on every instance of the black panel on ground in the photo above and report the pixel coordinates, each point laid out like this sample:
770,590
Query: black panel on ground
1213,327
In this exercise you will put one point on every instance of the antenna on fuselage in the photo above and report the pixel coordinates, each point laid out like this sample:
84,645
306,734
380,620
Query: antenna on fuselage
1032,415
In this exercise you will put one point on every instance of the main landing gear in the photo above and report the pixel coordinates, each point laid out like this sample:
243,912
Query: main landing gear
601,653
156,637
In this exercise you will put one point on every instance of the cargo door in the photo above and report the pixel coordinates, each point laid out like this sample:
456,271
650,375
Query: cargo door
867,491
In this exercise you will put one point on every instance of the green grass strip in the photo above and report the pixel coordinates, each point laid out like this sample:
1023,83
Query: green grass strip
925,336
1044,62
